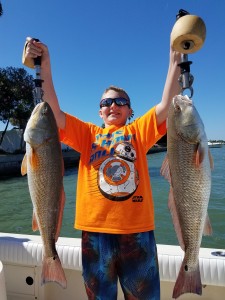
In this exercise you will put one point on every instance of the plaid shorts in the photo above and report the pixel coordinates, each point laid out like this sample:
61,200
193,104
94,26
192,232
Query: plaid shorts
130,257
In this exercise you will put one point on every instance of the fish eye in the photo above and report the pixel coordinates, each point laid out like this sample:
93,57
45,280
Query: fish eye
45,111
177,107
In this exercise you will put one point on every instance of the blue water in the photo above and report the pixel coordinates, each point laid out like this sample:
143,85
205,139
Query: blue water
16,207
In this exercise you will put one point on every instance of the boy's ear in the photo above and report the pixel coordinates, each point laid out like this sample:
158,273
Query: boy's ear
131,112
100,113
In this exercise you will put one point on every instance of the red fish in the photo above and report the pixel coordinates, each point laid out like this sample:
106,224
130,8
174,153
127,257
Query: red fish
43,164
188,169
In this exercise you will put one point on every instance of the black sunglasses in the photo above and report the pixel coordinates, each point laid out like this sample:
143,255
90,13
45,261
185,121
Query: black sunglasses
118,101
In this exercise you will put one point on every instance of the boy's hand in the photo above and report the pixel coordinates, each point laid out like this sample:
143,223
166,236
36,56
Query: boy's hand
33,49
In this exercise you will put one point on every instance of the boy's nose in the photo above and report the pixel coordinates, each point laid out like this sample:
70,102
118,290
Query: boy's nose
113,104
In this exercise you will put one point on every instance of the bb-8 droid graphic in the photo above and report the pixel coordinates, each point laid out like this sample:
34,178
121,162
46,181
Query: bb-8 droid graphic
118,178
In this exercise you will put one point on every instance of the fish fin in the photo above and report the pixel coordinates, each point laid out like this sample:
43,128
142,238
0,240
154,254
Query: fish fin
52,271
197,159
174,214
60,217
187,282
24,165
207,227
211,160
200,154
61,207
34,160
63,167
34,222
165,169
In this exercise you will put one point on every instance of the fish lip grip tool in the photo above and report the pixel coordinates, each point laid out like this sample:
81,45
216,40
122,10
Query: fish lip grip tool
38,92
34,64
187,36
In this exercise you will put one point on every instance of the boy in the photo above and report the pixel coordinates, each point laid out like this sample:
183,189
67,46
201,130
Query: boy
114,205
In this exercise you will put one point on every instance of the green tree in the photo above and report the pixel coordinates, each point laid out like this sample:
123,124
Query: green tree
1,9
16,97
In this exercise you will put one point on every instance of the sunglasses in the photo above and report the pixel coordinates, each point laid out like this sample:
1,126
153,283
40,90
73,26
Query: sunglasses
107,102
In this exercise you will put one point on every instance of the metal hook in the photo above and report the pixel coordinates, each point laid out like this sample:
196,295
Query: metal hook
186,78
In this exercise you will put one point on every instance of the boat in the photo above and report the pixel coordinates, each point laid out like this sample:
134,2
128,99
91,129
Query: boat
156,148
21,261
215,145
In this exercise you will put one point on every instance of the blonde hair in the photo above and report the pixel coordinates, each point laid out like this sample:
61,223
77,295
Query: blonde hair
117,89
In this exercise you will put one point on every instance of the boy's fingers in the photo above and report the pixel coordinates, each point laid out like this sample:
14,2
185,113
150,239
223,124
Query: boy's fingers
27,61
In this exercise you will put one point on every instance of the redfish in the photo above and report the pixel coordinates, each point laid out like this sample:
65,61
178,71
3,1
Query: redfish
43,164
187,167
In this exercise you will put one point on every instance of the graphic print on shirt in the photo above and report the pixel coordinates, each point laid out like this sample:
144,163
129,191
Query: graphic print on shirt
118,178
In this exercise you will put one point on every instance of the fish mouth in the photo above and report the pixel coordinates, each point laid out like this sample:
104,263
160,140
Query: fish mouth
37,107
178,100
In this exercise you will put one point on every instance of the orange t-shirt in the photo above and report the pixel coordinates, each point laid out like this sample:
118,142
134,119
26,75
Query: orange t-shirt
113,189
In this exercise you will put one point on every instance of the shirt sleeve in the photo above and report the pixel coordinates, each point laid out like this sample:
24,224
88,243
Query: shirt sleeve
73,133
149,132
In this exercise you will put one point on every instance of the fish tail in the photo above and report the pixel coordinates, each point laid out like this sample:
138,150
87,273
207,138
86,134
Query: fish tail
187,282
52,271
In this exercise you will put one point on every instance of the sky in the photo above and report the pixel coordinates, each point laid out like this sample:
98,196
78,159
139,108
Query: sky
97,43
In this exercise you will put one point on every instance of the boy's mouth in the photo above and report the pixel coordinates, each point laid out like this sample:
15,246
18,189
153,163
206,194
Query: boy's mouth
114,113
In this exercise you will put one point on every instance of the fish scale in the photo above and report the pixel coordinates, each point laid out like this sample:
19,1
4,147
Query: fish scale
182,173
187,168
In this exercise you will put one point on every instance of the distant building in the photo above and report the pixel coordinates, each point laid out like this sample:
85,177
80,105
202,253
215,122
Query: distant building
12,139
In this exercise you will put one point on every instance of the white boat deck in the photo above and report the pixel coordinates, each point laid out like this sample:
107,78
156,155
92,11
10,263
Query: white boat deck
21,256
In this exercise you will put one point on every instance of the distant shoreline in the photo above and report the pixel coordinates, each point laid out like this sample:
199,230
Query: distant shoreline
10,164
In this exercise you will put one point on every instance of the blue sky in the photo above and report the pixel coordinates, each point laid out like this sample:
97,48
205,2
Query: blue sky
96,43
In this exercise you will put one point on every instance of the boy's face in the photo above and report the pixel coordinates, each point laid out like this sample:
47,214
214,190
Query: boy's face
114,114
